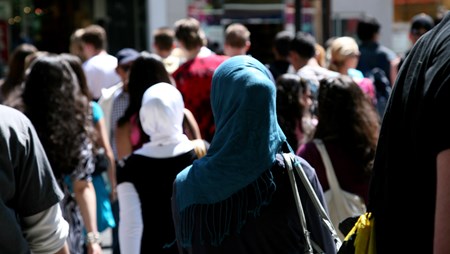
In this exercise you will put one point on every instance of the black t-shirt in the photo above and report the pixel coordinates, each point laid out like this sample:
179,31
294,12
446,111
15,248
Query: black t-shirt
155,193
414,130
375,55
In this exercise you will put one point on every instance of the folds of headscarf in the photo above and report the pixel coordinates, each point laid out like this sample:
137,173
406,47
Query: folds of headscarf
161,116
247,139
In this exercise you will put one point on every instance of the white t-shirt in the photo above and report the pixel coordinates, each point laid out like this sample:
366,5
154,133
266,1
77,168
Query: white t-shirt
100,73
314,74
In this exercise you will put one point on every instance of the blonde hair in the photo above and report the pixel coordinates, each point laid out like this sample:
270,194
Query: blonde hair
320,55
341,48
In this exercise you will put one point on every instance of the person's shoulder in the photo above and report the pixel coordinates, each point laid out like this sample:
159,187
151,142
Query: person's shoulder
104,57
131,161
14,121
101,62
214,58
317,72
8,110
308,169
306,148
304,163
90,65
11,115
201,64
355,73
439,37
306,71
108,93
384,50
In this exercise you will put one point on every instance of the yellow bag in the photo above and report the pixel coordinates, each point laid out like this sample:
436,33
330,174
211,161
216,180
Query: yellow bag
361,238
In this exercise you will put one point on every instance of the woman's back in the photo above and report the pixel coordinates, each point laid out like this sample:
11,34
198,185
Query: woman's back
238,197
348,126
146,224
54,103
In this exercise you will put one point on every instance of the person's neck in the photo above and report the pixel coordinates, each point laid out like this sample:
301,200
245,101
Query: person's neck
298,64
313,62
191,54
96,52
343,70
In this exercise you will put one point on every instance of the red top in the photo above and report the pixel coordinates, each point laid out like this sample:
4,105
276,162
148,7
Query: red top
193,79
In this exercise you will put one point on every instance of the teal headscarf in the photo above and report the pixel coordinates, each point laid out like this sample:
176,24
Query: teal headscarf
247,139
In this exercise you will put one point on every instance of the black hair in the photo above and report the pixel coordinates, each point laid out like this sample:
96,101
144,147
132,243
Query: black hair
367,28
304,44
282,42
59,111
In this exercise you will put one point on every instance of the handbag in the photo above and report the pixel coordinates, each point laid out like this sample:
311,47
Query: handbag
341,204
361,238
311,246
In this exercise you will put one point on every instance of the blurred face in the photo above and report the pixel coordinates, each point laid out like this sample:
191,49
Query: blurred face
351,61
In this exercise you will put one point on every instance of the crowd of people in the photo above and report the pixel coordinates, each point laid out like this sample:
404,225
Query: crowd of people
179,149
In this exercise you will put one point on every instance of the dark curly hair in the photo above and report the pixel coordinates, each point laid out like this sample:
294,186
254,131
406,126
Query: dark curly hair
348,117
290,87
59,111
367,28
304,44
77,66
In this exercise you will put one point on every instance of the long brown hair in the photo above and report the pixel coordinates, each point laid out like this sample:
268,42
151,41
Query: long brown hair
16,69
348,117
60,113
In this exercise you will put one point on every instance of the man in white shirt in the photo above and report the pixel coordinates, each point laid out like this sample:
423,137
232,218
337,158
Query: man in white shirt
99,67
302,57
114,101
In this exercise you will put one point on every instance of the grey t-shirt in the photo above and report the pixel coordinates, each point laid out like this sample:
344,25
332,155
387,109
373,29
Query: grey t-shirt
27,184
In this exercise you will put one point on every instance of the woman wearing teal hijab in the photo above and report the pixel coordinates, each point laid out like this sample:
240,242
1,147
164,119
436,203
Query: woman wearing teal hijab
238,199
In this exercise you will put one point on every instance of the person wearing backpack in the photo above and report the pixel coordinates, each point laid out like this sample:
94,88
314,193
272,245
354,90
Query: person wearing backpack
376,61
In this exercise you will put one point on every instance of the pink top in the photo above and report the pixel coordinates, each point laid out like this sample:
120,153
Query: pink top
137,136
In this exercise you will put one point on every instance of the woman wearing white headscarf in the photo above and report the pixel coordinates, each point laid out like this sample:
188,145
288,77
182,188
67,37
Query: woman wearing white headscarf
238,199
146,224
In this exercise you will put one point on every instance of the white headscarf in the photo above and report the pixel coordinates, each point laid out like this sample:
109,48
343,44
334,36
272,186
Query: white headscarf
161,115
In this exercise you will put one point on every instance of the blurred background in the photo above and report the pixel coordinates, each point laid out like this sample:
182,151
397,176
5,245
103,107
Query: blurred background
49,23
